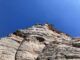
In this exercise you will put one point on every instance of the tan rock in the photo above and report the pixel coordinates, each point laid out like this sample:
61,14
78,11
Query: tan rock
40,42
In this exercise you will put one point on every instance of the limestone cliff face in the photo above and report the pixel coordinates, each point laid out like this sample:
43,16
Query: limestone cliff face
40,42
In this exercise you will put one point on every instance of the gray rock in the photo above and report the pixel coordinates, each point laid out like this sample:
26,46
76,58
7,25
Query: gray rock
56,51
40,42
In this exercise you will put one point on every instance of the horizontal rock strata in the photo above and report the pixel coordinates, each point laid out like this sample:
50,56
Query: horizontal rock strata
40,42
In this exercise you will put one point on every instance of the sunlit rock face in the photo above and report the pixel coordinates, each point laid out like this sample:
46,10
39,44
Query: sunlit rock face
40,42
9,46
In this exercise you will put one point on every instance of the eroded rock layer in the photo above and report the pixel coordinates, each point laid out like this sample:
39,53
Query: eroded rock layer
40,42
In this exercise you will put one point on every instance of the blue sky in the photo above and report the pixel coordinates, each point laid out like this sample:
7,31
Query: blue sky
17,14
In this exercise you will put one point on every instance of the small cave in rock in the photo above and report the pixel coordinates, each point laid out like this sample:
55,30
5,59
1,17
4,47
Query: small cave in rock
48,59
76,45
37,59
40,39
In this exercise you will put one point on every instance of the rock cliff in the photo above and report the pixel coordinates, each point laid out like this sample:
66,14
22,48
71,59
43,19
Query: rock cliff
40,42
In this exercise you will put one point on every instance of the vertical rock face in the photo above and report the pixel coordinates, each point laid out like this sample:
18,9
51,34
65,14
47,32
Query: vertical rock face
38,37
56,51
8,47
40,42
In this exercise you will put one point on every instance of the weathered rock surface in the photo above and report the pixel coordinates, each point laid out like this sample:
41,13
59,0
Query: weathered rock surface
9,46
40,42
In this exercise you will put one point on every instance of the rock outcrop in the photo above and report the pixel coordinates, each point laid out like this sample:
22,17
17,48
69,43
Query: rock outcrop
40,42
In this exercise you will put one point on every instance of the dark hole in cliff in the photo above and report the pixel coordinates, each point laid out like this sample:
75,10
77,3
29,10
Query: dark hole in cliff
37,59
40,39
49,58
58,36
76,45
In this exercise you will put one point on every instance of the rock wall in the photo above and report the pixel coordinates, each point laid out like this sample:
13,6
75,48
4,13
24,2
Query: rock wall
40,42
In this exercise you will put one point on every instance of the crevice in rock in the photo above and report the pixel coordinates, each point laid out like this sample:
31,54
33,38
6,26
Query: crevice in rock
18,49
40,39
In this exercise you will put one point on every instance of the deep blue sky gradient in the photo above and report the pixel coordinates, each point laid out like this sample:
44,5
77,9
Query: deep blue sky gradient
17,14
